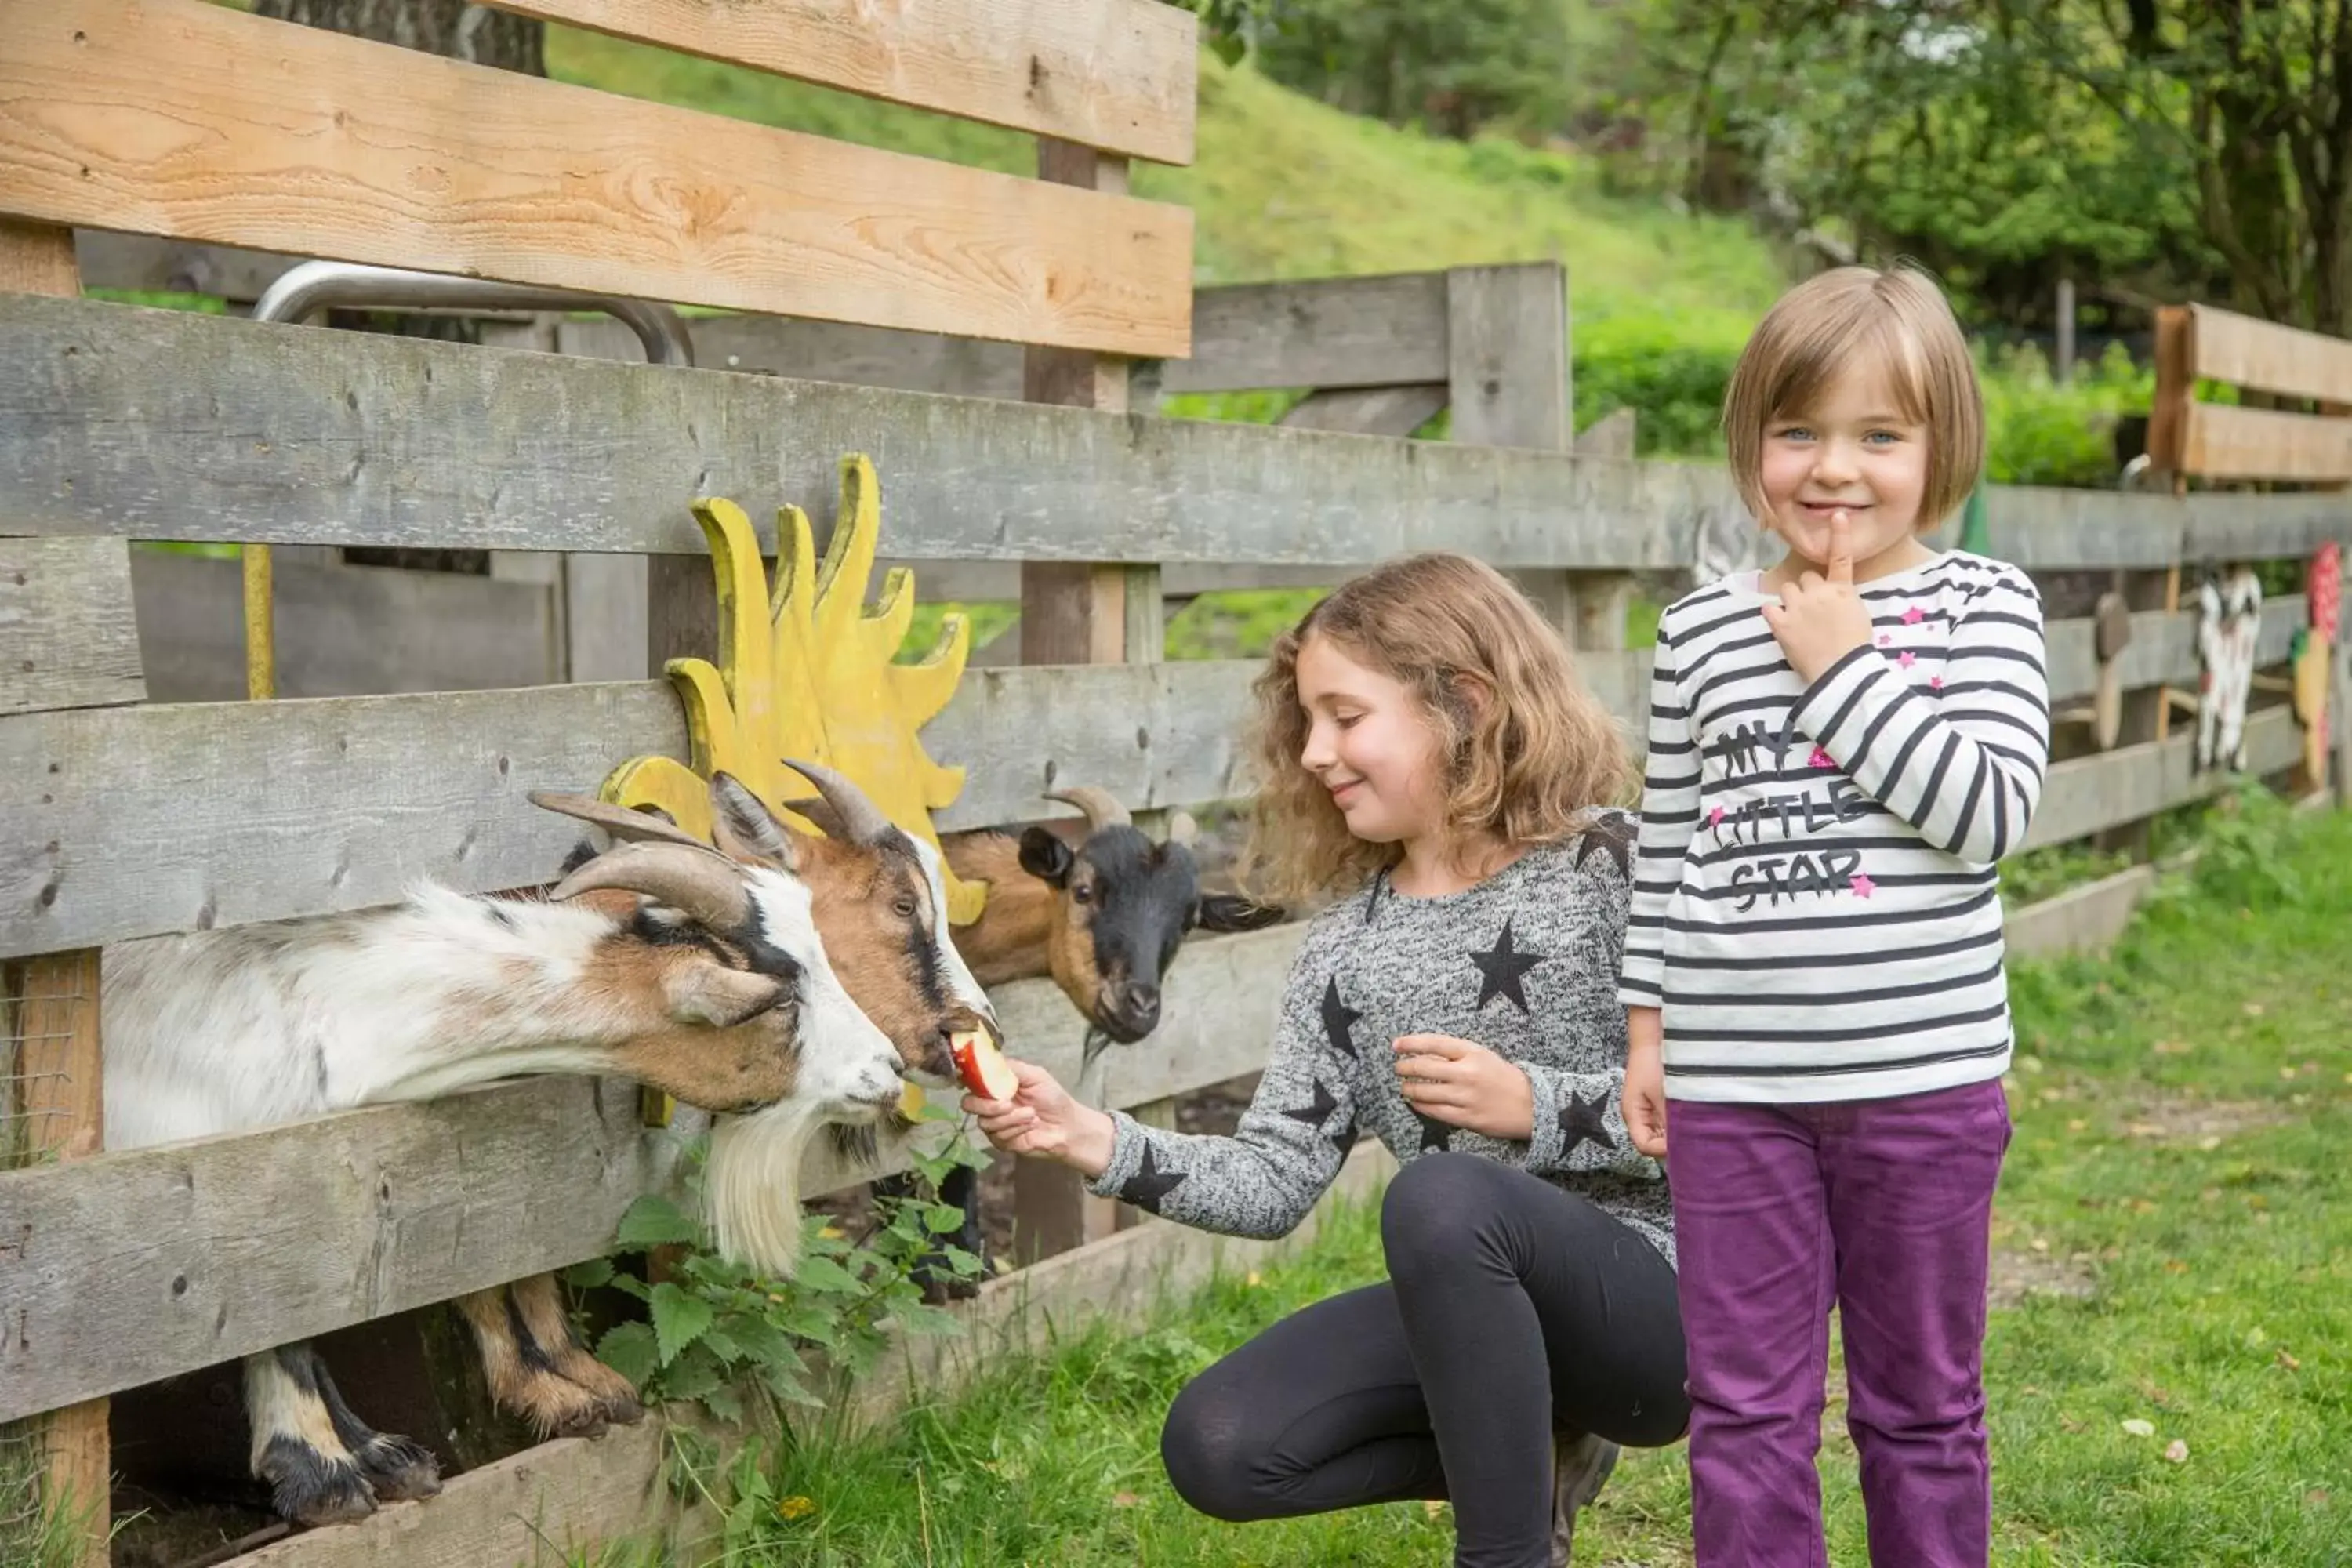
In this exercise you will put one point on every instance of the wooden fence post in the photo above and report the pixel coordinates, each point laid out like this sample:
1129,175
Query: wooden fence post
58,1066
1077,613
1508,382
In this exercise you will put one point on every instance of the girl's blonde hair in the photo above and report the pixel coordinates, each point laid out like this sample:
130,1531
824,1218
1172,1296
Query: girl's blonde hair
1528,751
1899,318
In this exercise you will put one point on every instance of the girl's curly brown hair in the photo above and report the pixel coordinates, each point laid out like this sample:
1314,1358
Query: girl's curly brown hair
1530,752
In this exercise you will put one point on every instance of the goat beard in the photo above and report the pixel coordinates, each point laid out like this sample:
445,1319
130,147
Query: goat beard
751,1182
752,1186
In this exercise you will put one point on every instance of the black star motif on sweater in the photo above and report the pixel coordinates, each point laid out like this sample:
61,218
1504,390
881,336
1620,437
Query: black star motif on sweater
1317,1112
1338,1019
1584,1121
1150,1183
1435,1136
1612,835
1501,968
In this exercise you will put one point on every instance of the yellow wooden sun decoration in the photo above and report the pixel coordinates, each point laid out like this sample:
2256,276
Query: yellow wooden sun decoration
810,674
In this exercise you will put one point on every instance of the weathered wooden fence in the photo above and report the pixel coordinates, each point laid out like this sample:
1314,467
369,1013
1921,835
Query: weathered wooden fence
130,820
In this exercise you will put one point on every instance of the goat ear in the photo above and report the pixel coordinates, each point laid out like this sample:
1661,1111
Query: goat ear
1226,911
1046,856
745,828
715,996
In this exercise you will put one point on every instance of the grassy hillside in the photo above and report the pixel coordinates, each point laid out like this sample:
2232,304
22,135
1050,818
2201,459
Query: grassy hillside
1284,187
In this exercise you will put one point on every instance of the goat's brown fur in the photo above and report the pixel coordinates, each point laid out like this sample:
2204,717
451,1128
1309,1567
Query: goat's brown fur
873,909
1025,919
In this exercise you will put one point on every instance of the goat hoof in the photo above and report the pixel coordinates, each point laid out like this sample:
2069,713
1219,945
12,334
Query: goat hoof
399,1469
311,1489
622,1409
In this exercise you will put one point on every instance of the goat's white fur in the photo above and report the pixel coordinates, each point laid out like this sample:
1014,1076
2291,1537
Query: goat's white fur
962,989
226,1030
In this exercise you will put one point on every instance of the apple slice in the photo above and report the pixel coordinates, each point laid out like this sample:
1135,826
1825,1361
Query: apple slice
982,1066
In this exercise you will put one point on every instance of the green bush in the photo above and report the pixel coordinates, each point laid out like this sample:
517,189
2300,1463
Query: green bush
1674,371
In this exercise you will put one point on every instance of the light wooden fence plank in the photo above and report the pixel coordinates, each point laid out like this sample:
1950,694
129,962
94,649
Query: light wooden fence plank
135,1266
1118,75
66,631
2242,350
2133,783
2228,442
164,424
185,119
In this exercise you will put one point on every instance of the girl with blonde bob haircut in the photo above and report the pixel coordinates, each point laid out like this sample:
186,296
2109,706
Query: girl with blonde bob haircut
1842,747
1428,759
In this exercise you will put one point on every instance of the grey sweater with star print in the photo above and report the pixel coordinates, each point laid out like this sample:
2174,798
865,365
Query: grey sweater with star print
1525,964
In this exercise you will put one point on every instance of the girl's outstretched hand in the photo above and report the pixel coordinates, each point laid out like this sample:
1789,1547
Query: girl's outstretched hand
1645,1082
1463,1084
1044,1121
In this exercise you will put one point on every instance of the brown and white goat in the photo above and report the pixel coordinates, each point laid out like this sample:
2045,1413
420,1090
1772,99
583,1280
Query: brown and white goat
666,963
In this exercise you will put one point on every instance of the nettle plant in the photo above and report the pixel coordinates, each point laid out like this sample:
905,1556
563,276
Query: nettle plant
717,1331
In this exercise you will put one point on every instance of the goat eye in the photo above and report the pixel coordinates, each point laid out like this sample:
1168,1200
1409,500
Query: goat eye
1083,893
903,906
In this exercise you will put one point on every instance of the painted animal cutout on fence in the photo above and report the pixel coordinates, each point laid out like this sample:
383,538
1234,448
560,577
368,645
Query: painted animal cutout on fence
811,672
2230,618
2313,659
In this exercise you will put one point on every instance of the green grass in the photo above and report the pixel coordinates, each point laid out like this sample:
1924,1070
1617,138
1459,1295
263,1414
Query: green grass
2178,1196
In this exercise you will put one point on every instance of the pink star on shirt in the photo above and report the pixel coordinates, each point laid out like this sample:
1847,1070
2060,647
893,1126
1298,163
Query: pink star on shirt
1936,681
1913,615
1862,884
1905,658
1714,818
1820,759
1885,639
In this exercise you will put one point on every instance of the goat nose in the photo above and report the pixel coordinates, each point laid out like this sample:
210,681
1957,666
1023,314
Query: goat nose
1143,998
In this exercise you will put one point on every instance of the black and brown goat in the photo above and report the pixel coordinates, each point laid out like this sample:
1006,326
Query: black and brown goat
1104,917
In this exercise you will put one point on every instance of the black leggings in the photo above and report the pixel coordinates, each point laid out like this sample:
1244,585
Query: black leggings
1510,1305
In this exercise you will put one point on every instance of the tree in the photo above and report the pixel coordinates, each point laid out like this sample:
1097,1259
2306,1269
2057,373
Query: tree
451,27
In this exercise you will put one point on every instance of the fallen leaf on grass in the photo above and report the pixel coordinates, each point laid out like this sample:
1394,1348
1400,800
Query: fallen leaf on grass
2142,1205
2170,1048
2211,1142
2176,1452
2174,1265
796,1507
2068,1423
2076,1124
1255,1279
1124,1500
2286,1360
2288,1071
1432,1508
2144,1130
2040,1243
2139,1428
2253,1009
2317,1497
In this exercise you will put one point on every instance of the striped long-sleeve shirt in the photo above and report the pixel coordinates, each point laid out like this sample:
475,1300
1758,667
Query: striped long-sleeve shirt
1816,911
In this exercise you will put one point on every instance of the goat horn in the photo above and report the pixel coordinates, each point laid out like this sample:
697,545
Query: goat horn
622,824
1101,807
1182,829
861,820
699,881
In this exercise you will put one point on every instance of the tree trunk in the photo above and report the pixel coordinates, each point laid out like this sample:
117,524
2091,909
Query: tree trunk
459,31
450,27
